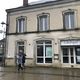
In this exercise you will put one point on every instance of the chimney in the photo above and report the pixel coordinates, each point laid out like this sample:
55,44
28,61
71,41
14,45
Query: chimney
25,2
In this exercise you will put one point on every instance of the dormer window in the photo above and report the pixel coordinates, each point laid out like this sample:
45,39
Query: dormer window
21,24
43,22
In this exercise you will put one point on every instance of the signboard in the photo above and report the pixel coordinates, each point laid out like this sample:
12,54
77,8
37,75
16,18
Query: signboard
70,42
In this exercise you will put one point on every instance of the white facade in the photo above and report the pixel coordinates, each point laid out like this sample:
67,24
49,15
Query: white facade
48,35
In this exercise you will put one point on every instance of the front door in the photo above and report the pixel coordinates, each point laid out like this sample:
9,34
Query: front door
19,46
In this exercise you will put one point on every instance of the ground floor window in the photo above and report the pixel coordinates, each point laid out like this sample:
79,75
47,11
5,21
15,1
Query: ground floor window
71,55
44,51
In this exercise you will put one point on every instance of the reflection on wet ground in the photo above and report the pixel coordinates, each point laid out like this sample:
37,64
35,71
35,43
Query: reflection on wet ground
38,73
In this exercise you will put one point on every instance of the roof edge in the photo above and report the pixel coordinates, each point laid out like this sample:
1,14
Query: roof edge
40,5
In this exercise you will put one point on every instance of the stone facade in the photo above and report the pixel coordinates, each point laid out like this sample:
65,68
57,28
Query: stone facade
62,39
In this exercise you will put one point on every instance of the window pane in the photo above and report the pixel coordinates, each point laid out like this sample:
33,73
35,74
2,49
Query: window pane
72,59
48,60
65,60
72,20
1,58
39,60
48,51
48,42
39,50
1,50
65,55
20,46
65,52
40,42
71,51
69,20
78,55
66,21
20,43
72,55
43,23
20,25
78,51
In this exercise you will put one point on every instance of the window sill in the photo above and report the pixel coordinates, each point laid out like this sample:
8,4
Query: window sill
71,29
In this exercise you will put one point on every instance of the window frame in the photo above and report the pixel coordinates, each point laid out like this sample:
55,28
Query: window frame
17,46
69,11
48,22
69,55
43,56
23,24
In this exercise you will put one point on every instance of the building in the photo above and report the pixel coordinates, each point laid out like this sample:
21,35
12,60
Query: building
48,32
2,52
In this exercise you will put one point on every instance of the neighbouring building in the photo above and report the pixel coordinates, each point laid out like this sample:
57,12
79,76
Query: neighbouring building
2,52
47,31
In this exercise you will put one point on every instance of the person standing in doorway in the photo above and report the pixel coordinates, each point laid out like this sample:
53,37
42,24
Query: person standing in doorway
19,61
23,57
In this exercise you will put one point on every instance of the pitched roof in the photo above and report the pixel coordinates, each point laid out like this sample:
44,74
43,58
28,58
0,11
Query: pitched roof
41,4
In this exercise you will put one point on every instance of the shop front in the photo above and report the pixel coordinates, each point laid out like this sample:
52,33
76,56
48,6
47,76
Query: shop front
70,51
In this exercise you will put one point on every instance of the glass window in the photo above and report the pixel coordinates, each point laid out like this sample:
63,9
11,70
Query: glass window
68,20
68,55
78,55
48,51
46,41
20,46
44,51
43,22
39,60
72,55
65,55
39,50
20,25
1,50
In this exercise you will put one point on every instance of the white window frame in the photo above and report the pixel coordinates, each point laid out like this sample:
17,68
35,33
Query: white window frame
20,45
69,56
44,57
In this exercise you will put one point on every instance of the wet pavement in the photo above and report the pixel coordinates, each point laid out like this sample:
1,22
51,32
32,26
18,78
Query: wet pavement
39,73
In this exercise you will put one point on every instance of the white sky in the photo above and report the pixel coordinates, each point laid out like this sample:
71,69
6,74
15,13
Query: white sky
7,4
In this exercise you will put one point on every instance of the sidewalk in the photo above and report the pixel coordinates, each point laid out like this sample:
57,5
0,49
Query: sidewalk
39,73
75,72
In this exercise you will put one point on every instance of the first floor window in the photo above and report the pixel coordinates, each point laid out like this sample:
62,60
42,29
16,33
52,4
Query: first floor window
20,27
68,20
44,51
43,22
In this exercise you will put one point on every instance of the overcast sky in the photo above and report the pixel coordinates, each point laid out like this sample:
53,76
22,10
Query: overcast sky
7,4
